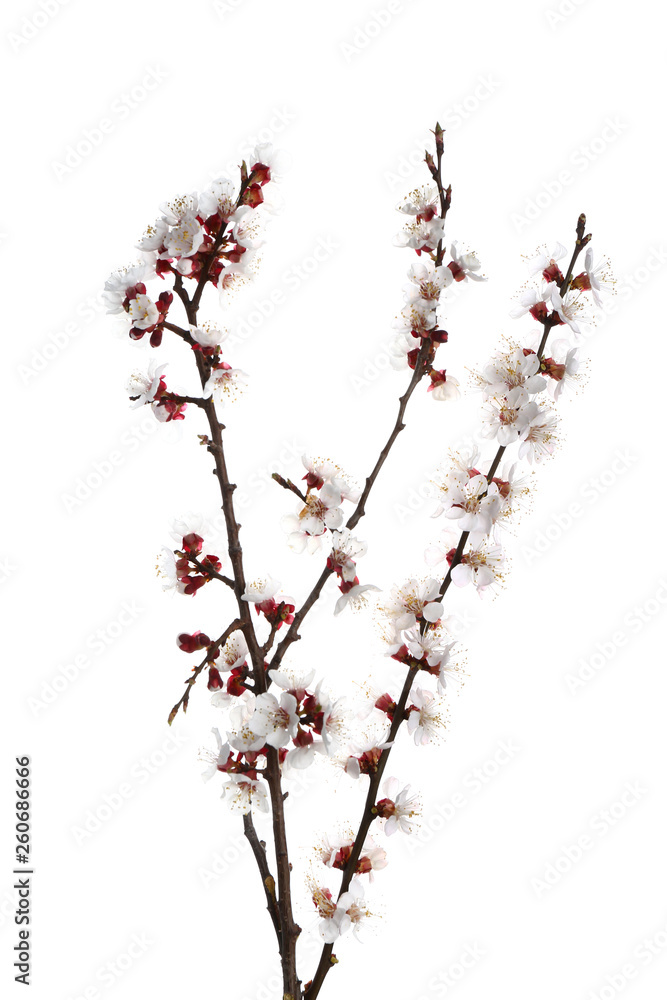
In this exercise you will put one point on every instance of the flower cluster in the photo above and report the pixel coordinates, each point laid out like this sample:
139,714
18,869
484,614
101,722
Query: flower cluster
320,510
270,721
205,238
418,324
187,569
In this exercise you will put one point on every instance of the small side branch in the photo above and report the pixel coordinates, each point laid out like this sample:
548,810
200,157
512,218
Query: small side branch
210,655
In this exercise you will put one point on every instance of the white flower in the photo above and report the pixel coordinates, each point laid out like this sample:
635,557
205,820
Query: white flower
538,439
166,569
355,597
505,417
345,550
530,298
220,197
425,721
261,590
207,337
300,758
471,501
423,200
430,647
510,371
564,373
406,808
243,794
190,523
290,683
482,565
116,286
567,307
225,383
398,349
275,720
598,276
216,760
323,470
233,653
143,312
427,282
513,488
444,389
265,155
245,232
465,265
322,510
341,916
185,205
184,239
544,262
415,600
334,722
418,317
153,238
242,737
142,388
421,235
372,857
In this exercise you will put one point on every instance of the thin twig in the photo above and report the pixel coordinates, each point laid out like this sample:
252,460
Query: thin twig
210,655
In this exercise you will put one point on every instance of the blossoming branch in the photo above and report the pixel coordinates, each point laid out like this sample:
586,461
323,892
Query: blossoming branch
275,722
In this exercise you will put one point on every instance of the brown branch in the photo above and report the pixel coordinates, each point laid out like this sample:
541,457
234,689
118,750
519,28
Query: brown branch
289,931
259,850
206,571
287,484
293,631
180,332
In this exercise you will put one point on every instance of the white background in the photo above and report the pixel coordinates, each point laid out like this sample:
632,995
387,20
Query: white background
526,94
